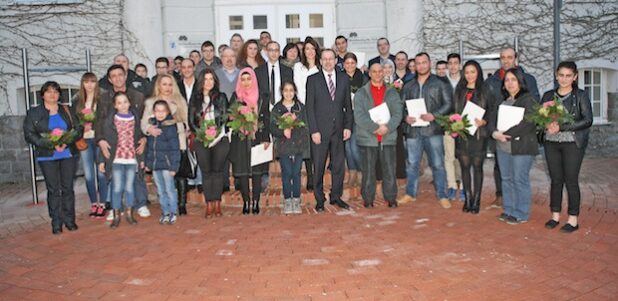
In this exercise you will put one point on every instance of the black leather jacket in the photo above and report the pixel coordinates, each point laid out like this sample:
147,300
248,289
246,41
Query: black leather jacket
578,104
523,135
438,96
196,107
37,123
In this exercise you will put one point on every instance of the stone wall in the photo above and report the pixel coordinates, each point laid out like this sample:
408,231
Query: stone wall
14,158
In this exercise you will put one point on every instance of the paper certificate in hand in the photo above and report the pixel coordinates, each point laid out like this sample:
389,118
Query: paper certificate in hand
218,138
260,155
509,116
380,114
474,112
416,108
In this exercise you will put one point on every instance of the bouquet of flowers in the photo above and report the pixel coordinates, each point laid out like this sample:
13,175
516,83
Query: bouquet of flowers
398,85
86,115
549,112
243,120
455,125
289,121
207,132
59,137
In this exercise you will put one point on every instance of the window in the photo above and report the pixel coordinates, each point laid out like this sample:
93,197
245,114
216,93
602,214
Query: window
316,20
593,84
292,21
260,22
236,23
292,40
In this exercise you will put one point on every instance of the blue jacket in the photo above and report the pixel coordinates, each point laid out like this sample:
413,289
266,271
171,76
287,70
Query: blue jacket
163,151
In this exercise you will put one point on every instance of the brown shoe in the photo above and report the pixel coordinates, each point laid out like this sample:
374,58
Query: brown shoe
406,199
497,203
445,203
218,208
209,210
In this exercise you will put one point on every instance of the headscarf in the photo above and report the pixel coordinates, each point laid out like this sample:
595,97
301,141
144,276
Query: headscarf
249,96
389,79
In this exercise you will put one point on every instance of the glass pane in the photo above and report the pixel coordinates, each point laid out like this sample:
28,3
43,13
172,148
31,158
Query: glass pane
64,96
320,41
292,21
292,40
586,77
596,109
596,93
597,78
316,20
588,91
236,22
260,22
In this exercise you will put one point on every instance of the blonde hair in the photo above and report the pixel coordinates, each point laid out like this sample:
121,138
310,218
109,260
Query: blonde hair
179,102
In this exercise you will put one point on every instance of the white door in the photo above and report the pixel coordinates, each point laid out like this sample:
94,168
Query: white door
286,22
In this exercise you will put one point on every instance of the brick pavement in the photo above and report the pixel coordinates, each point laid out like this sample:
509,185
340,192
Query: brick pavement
415,252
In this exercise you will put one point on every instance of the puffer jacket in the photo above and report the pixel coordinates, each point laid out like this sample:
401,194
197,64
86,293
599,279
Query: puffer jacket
163,151
438,95
37,123
578,104
364,126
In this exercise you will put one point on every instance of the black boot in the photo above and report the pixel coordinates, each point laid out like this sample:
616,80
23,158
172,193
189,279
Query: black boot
256,207
182,188
245,207
116,220
476,204
467,207
131,217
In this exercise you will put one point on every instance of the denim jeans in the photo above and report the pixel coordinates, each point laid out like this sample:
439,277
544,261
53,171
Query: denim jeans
352,153
369,165
433,146
141,191
123,182
58,176
166,188
516,191
290,175
198,178
88,164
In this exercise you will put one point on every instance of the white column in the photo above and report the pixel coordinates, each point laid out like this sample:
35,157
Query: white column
142,18
404,25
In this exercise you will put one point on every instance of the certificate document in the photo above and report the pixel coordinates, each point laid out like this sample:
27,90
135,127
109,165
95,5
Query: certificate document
509,116
416,108
260,155
473,111
380,114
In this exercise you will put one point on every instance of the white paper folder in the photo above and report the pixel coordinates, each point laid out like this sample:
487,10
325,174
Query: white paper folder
473,112
260,155
380,114
509,116
416,108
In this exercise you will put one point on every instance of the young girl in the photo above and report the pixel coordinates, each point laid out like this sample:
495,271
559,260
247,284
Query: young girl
122,131
291,146
86,105
163,158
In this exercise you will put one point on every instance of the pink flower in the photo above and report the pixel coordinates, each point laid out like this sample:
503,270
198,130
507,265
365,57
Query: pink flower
57,132
454,135
548,104
397,84
244,110
211,131
455,118
86,111
292,116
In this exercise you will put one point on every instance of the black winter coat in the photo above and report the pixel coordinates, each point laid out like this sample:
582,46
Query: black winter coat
523,135
438,96
299,142
163,151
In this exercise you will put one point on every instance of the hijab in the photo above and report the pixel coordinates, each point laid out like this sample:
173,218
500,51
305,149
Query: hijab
248,95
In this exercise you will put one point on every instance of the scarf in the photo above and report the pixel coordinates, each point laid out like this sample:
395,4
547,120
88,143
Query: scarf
249,96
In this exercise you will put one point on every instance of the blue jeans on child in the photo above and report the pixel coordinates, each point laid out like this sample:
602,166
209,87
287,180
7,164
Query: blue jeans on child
516,191
123,178
434,147
90,168
352,153
290,175
166,188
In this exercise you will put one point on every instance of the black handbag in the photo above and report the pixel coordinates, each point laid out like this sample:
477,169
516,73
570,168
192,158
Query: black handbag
188,165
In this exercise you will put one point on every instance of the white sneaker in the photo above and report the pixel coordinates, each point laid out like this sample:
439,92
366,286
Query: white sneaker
143,211
110,216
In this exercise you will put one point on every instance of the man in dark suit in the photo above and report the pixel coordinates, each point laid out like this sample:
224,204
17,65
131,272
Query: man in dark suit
187,85
272,74
384,48
329,114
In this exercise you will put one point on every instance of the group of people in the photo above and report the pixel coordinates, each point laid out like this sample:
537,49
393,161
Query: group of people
153,125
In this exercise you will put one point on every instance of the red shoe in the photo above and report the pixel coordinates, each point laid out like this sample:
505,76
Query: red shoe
93,210
100,212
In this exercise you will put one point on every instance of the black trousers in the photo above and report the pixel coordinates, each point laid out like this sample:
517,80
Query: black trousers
334,147
256,187
212,162
369,165
564,161
59,176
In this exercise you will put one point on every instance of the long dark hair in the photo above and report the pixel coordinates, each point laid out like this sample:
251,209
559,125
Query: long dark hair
81,101
573,67
519,75
286,83
310,40
461,88
242,55
214,92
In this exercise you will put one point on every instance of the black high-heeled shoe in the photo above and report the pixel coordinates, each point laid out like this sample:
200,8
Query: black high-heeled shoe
245,207
256,207
475,205
467,206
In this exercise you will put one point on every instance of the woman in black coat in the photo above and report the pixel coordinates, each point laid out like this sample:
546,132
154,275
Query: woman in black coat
210,104
471,151
59,163
240,150
565,145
